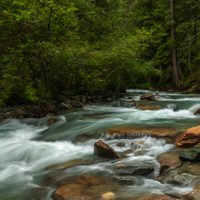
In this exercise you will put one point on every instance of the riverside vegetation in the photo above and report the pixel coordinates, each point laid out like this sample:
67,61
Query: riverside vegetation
49,48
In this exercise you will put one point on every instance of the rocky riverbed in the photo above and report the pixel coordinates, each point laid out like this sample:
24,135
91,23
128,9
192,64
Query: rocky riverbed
141,147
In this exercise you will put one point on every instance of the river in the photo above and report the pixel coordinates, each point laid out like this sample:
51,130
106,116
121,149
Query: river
28,146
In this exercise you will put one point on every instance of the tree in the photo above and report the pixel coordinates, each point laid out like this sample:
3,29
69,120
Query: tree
175,70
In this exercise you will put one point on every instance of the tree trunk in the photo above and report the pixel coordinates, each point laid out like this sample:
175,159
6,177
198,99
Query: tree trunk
175,70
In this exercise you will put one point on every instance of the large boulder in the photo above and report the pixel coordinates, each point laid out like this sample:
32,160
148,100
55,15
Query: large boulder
182,179
148,97
104,150
189,138
133,169
184,173
150,107
192,155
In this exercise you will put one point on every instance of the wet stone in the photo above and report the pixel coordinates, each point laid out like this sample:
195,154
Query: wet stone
121,144
189,138
149,107
133,169
129,180
192,155
104,150
124,154
148,97
183,179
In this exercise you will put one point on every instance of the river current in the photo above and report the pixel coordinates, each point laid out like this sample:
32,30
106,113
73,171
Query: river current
28,147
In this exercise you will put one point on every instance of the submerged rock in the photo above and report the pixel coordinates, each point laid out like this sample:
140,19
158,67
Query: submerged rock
91,180
133,169
66,191
192,155
189,138
194,195
71,163
148,97
150,107
168,160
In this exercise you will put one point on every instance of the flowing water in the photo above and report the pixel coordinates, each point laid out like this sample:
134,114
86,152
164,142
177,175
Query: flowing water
28,146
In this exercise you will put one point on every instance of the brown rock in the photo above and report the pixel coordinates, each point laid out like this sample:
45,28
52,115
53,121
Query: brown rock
189,138
107,100
121,144
150,107
148,97
52,121
102,149
170,91
197,112
67,191
138,132
20,117
159,197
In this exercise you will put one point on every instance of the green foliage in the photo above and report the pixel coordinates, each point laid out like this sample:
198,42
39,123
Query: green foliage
47,47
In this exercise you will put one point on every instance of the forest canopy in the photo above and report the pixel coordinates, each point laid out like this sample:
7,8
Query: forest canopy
89,46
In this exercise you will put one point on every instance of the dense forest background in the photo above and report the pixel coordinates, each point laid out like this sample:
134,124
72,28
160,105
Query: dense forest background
53,47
